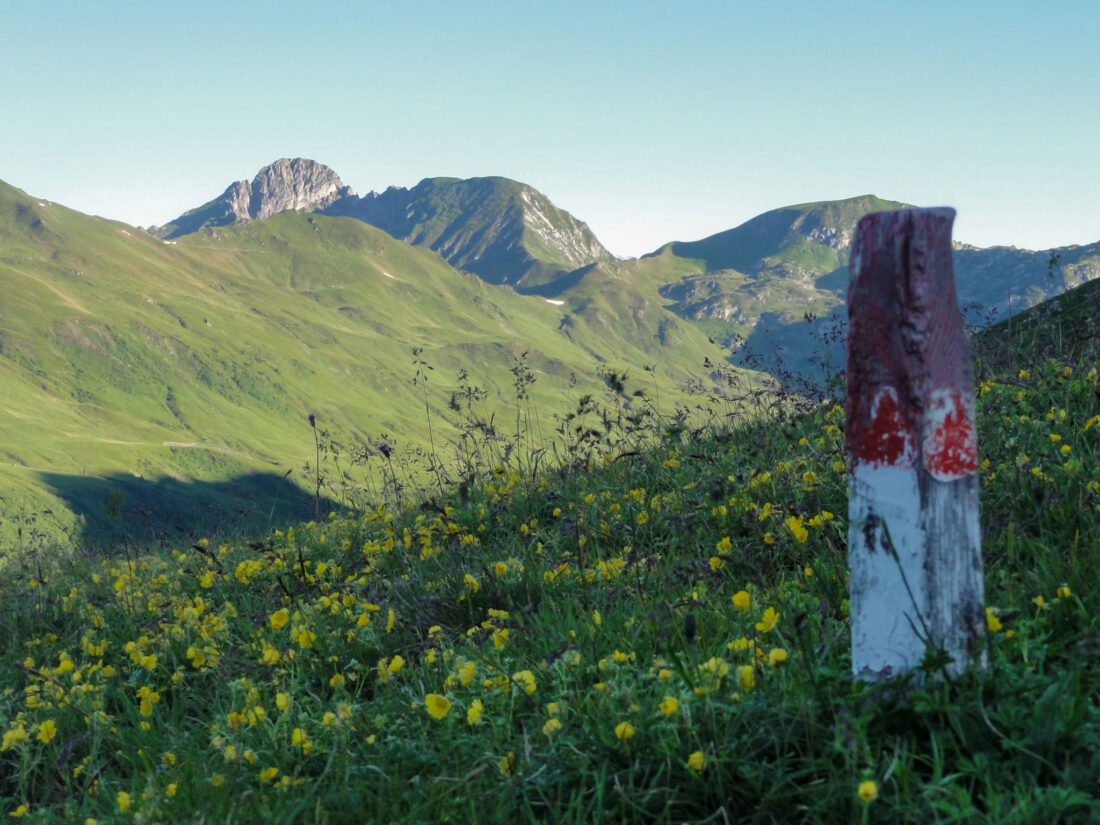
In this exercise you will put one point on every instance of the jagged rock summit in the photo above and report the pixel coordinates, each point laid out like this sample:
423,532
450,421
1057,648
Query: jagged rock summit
286,184
504,231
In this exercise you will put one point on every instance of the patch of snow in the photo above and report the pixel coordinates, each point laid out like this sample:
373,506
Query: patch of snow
555,303
388,275
124,232
170,243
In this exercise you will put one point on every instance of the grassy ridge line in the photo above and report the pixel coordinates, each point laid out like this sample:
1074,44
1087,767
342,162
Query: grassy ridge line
232,337
640,636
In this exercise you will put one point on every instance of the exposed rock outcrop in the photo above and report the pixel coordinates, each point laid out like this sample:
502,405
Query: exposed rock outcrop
286,184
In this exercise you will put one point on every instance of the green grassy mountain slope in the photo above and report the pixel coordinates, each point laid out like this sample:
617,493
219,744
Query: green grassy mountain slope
502,230
777,283
124,358
806,238
1065,327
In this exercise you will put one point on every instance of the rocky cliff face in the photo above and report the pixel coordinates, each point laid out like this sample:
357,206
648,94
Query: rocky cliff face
290,184
286,184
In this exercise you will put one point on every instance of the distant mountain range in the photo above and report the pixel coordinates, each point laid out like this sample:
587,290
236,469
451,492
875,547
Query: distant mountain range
193,352
754,283
501,230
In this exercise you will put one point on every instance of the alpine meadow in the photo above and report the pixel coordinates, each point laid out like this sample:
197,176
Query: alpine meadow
422,506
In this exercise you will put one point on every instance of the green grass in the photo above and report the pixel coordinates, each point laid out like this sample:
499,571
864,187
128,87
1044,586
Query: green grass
122,357
627,634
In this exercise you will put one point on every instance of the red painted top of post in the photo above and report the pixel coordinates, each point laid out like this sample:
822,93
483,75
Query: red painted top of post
910,380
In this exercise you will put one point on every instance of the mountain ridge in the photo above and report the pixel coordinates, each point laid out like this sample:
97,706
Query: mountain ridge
508,233
125,357
502,230
296,184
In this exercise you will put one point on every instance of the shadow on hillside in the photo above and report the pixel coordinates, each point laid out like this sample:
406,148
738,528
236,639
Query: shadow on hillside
556,286
121,508
803,355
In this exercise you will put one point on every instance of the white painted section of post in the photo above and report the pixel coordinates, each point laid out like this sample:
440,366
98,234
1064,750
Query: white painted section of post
914,539
888,585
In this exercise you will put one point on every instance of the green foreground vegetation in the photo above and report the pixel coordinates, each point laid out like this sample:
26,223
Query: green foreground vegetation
637,635
650,626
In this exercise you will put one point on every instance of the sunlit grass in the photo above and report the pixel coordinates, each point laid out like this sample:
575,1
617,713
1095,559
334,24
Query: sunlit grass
640,635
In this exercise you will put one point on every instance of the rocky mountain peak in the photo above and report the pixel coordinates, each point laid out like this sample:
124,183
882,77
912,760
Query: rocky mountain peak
288,183
502,230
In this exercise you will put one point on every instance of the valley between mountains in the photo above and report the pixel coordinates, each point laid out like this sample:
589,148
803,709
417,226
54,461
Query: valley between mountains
161,380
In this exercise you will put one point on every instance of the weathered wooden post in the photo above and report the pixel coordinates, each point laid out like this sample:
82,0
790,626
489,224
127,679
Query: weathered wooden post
914,546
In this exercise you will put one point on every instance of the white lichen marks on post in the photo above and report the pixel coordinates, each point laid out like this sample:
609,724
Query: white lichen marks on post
914,544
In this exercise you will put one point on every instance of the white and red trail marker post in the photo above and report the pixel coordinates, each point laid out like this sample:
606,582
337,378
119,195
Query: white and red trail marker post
914,545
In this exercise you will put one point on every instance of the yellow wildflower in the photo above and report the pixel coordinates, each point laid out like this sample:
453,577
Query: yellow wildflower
13,737
868,790
526,680
794,524
46,731
768,621
670,705
746,677
279,619
991,620
624,730
741,600
438,706
697,762
466,673
474,712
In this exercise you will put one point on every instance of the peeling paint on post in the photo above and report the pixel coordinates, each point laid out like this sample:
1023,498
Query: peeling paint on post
914,546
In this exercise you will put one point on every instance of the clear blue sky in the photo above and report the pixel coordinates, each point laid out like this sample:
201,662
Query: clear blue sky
651,121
